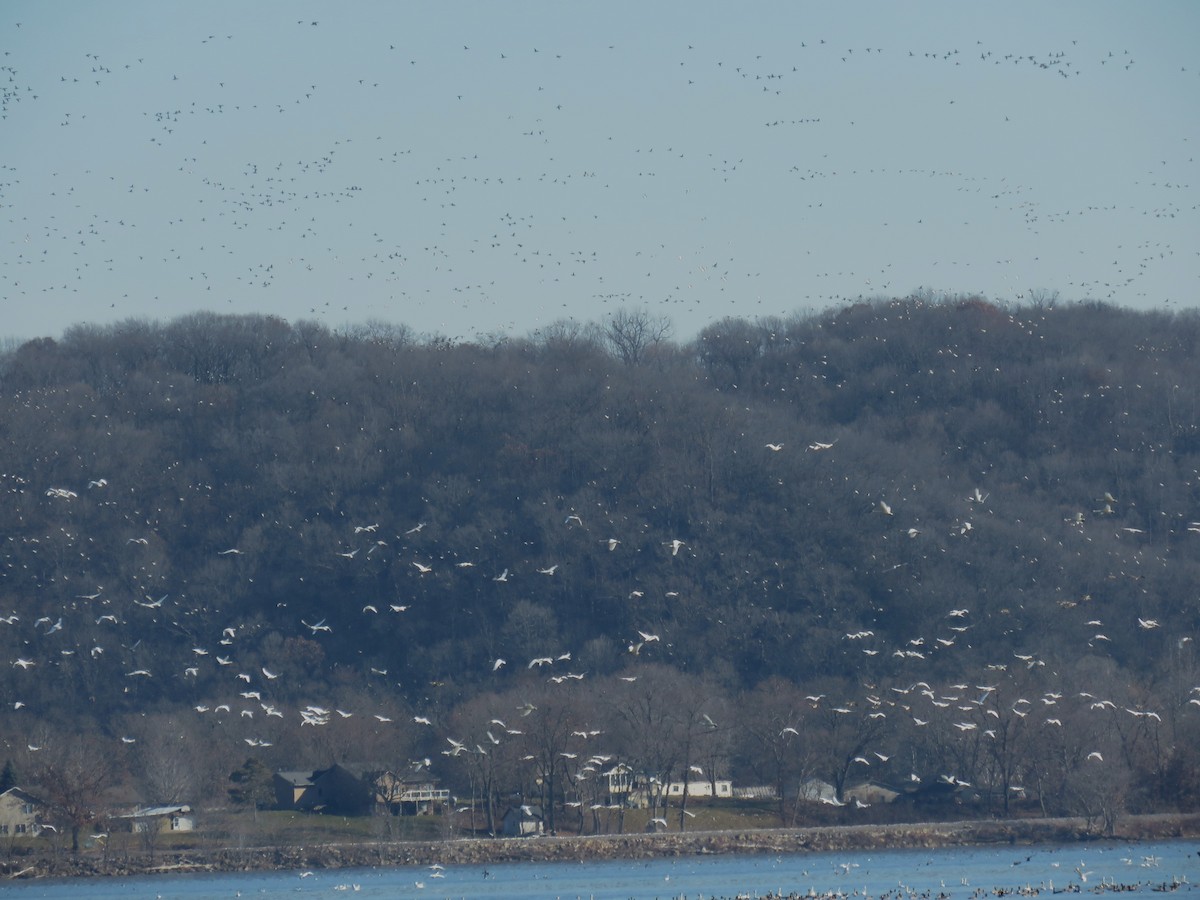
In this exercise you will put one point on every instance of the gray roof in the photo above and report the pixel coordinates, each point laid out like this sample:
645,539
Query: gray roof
150,811
525,811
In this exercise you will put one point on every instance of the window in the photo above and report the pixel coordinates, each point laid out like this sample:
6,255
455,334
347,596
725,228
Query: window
20,828
3,829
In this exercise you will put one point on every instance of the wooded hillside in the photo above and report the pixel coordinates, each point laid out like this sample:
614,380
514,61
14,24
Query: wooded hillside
213,523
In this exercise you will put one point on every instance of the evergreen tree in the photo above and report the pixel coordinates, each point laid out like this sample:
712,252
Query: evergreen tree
8,776
252,786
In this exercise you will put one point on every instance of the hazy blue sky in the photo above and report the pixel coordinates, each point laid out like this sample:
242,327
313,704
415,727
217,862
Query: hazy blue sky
468,168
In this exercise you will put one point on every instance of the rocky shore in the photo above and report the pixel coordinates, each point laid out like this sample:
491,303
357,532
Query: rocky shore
628,846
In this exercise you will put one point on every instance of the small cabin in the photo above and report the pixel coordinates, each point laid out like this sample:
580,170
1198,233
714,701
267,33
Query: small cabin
871,792
160,819
523,821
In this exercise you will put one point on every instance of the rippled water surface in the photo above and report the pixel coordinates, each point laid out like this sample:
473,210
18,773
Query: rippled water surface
956,874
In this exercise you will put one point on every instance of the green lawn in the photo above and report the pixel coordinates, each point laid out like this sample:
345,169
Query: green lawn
703,815
217,830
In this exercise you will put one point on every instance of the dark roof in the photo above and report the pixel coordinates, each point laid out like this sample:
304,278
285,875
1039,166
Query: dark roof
298,779
21,794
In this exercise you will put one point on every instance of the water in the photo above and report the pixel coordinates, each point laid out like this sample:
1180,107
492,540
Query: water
960,873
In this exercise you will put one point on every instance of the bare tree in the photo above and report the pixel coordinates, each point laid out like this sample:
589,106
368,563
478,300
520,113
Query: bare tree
547,720
846,729
168,772
775,738
485,726
631,334
74,780
659,718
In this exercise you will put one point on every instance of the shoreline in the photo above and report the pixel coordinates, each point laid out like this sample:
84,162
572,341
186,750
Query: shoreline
476,851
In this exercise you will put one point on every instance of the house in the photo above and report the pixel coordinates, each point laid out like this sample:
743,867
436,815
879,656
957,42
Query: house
335,789
19,813
523,821
407,794
934,794
870,792
342,790
814,790
639,789
631,788
756,792
720,787
358,790
642,791
294,790
160,819
619,779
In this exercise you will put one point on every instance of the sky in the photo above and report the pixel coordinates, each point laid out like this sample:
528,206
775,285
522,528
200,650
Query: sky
474,169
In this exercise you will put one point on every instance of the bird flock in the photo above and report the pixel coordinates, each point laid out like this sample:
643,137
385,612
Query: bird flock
446,183
379,166
253,690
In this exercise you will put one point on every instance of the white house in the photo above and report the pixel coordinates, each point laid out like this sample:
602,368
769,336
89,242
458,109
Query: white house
720,787
523,821
160,818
